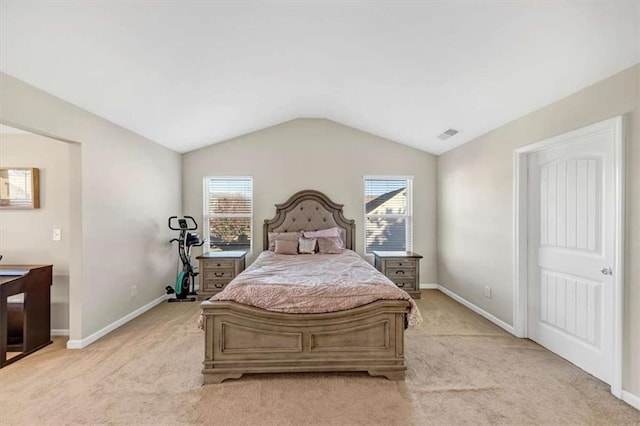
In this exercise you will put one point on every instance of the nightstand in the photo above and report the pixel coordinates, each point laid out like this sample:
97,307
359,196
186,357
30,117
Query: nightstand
401,267
217,269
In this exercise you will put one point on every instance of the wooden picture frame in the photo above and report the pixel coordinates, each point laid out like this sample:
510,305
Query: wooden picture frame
19,188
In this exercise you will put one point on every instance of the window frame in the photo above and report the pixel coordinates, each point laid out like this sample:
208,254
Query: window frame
206,208
408,215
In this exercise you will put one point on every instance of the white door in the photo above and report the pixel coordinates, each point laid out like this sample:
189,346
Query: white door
571,248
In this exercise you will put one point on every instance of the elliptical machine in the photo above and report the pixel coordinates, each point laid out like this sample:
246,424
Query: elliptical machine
185,283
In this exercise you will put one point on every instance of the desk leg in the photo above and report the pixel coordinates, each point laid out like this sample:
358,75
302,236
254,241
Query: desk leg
37,309
4,326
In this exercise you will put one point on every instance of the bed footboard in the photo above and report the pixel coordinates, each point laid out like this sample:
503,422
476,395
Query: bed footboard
242,339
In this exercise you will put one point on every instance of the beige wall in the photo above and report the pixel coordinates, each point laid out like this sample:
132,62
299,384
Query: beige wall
123,188
475,202
323,155
27,234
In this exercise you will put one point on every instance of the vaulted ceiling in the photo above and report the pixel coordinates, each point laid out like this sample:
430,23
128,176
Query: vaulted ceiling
189,74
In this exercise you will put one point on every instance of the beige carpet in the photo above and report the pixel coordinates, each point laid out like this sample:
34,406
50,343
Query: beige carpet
462,370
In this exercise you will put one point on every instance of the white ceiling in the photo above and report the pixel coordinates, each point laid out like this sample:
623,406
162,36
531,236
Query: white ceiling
189,74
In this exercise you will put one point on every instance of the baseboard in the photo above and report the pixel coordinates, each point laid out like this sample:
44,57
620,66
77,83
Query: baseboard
631,399
59,331
79,344
497,321
429,287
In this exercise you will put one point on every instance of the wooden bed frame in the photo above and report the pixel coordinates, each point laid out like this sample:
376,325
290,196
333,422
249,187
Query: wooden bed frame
242,339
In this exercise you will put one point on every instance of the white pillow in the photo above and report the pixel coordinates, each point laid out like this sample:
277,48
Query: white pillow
307,245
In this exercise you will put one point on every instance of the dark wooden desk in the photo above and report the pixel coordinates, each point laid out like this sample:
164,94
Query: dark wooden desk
36,320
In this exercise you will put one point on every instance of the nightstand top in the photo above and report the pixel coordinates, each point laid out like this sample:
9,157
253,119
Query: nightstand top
238,254
404,254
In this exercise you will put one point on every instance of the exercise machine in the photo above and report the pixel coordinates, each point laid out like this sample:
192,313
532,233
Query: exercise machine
186,282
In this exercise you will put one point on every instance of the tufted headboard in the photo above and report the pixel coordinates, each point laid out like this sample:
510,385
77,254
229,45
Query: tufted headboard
309,210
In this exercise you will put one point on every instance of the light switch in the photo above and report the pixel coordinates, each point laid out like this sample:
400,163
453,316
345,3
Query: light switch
57,235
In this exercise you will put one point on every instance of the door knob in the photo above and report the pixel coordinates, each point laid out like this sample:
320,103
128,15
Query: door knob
607,271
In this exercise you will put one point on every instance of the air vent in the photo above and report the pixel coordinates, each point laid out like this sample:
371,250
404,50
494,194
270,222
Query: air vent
448,133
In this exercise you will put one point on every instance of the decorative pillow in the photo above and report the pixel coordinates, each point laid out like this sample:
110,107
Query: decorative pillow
329,232
286,247
307,245
330,245
287,236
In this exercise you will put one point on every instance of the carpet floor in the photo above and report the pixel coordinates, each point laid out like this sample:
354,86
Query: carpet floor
462,369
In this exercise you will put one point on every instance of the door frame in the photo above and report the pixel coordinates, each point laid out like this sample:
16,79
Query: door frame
520,233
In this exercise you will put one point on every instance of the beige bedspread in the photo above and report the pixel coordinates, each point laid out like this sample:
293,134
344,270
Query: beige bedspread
313,284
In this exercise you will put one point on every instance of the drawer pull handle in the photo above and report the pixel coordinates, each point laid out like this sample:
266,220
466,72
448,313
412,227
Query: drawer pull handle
218,264
400,284
399,263
219,274
399,272
219,285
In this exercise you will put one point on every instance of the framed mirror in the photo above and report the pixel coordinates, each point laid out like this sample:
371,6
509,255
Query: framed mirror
19,188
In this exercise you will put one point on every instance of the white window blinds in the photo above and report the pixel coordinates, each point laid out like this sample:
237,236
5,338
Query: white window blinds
387,206
228,211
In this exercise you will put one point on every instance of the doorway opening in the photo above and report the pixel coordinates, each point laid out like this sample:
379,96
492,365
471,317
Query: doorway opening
568,294
51,234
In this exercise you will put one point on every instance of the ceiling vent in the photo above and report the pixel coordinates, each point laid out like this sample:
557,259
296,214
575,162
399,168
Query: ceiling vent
448,133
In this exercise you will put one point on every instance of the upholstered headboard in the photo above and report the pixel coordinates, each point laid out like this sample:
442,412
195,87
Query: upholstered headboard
309,210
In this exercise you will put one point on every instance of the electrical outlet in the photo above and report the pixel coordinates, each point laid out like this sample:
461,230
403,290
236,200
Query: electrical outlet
487,292
134,290
57,234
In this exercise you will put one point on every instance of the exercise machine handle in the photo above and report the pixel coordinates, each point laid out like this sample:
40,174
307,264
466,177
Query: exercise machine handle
195,224
171,227
190,227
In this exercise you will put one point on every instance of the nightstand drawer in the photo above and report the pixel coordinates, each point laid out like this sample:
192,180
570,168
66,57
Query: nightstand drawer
400,263
405,284
226,274
214,284
400,272
215,264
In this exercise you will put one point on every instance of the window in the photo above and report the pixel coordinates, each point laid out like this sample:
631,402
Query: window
387,207
228,205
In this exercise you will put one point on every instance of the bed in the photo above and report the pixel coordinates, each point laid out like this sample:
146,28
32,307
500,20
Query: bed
241,338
